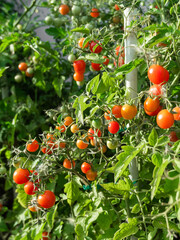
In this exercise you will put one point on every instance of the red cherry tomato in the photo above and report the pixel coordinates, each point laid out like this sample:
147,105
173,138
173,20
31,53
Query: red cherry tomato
67,163
119,50
155,90
47,199
45,236
113,127
79,77
64,9
151,104
155,112
116,111
116,7
30,188
158,75
79,66
165,119
106,62
21,176
91,133
22,67
173,137
128,111
96,66
91,175
32,146
94,13
85,167
98,48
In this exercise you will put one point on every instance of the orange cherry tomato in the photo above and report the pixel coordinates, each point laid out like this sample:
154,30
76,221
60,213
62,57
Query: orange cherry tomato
81,144
151,104
85,167
128,112
68,120
67,163
29,74
91,175
158,75
32,146
116,111
177,113
117,8
22,67
155,112
103,148
74,128
33,208
155,90
120,50
64,9
165,119
21,176
61,128
79,77
80,43
106,115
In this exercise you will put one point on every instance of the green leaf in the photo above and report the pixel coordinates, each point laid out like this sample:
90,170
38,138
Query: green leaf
58,84
80,106
153,138
126,68
126,230
93,84
125,158
56,32
157,177
163,140
136,208
118,188
160,223
92,217
37,233
22,197
157,159
93,57
2,70
80,232
81,30
93,110
176,147
104,220
72,191
3,226
51,216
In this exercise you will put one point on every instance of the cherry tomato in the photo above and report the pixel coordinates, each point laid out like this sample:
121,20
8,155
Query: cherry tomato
33,208
30,188
47,199
67,163
62,144
48,20
85,167
165,119
120,62
79,66
74,128
96,123
107,115
116,111
103,148
128,111
155,90
91,175
46,150
116,19
81,144
94,13
113,127
151,104
96,66
76,10
116,7
158,75
22,67
61,128
173,137
32,146
45,236
21,176
112,144
50,136
57,22
177,113
106,62
80,43
79,77
71,58
98,48
64,9
91,133
18,78
68,120
120,50
155,112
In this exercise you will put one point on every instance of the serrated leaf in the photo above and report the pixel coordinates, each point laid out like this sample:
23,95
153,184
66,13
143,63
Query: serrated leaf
104,220
153,138
157,159
163,140
120,188
136,208
126,68
125,158
126,230
160,223
58,84
81,30
93,84
72,190
22,197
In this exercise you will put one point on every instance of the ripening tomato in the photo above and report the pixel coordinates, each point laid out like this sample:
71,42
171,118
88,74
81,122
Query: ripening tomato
96,123
32,146
158,75
33,208
85,167
94,142
22,67
120,62
68,120
61,128
91,133
155,90
79,77
117,8
151,104
67,163
116,111
79,66
96,66
1,206
21,176
30,188
103,148
128,111
155,112
173,137
45,236
107,115
80,43
120,50
165,119
113,127
47,199
64,9
112,144
177,113
74,128
62,144
98,48
50,136
46,150
94,13
106,62
81,144
91,175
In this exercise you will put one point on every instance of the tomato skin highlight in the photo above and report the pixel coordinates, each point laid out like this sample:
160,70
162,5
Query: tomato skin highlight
85,167
21,176
79,66
74,128
165,119
64,9
113,127
157,74
177,114
33,146
116,111
98,48
67,163
151,104
155,112
128,111
47,199
78,77
91,175
30,188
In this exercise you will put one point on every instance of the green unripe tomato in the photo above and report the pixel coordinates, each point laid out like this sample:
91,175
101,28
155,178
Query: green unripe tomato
30,70
89,26
48,20
112,144
57,22
71,58
19,27
84,19
2,170
18,78
76,10
96,123
80,84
